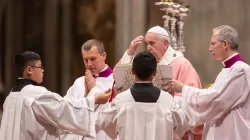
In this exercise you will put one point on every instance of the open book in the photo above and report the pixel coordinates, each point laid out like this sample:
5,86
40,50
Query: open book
124,78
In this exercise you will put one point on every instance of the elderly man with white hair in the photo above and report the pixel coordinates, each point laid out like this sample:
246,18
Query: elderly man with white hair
224,106
158,43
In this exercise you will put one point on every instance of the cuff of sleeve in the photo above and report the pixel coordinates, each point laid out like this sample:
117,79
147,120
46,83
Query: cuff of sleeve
91,101
184,91
177,100
126,58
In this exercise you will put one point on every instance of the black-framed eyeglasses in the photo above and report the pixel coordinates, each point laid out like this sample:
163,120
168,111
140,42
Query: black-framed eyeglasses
41,67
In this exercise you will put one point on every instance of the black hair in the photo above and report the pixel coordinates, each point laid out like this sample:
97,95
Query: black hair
93,42
144,64
25,59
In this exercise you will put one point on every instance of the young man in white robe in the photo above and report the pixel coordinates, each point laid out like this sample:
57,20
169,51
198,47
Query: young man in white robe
158,43
143,112
31,112
98,78
223,107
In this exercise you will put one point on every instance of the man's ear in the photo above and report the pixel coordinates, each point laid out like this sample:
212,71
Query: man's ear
154,73
132,71
27,70
104,55
166,43
226,44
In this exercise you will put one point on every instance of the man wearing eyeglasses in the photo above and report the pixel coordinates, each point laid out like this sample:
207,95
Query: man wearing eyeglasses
158,43
224,106
31,112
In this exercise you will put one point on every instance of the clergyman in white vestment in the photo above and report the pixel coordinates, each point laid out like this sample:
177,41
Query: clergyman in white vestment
94,57
31,112
143,112
223,107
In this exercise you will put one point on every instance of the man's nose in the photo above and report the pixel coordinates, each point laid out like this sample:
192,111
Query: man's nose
210,48
149,47
89,63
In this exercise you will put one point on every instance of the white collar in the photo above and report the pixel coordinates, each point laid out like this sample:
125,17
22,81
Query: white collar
223,62
143,81
170,55
106,66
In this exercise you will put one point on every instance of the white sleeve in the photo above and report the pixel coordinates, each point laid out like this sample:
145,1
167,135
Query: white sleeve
181,122
177,100
73,115
126,58
107,120
95,91
208,105
77,90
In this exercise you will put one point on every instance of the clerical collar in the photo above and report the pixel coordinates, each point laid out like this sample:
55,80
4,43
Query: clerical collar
105,72
232,59
145,92
143,81
170,55
21,82
143,84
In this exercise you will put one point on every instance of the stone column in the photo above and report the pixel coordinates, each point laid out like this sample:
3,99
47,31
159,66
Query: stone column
51,49
130,23
13,40
3,5
66,45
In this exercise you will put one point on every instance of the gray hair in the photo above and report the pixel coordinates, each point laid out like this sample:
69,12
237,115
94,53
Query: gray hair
93,42
225,32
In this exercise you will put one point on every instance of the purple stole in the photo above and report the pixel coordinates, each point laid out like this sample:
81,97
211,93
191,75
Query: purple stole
104,73
233,60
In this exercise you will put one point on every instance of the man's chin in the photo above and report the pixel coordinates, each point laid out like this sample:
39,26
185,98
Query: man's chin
93,72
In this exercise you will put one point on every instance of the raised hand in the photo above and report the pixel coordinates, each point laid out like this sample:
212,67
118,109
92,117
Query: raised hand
175,86
103,98
90,82
134,45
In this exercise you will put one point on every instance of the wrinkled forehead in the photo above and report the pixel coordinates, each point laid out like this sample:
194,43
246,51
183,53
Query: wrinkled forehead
214,37
151,37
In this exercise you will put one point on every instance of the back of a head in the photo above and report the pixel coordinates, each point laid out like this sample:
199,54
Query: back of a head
25,59
226,32
93,42
144,65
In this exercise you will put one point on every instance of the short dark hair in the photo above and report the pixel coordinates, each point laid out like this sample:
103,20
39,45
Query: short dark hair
25,59
144,64
93,42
